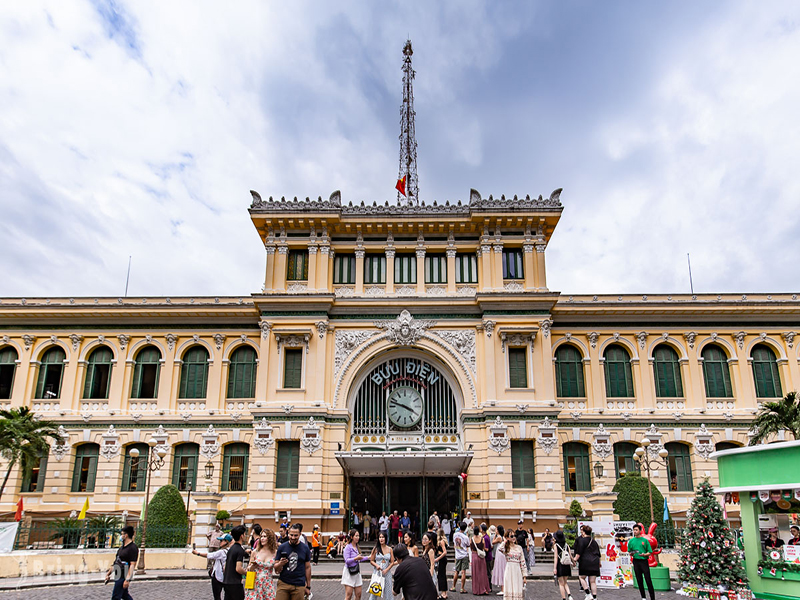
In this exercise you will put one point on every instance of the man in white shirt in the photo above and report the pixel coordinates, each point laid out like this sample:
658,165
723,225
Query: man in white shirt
383,525
461,543
218,558
469,521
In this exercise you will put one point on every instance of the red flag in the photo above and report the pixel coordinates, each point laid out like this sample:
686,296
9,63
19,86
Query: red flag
18,515
401,185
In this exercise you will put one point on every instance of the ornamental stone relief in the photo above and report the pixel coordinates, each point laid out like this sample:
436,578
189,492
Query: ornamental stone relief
498,436
547,439
76,341
60,448
512,286
405,330
346,341
602,442
171,339
110,447
312,438
463,340
210,446
263,439
292,340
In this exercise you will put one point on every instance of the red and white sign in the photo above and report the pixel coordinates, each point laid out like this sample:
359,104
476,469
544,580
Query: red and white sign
791,554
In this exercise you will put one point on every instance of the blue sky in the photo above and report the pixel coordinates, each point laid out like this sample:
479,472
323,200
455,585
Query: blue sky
139,127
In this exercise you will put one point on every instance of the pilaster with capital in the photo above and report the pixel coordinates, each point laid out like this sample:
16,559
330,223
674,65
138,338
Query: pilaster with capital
359,291
270,268
529,264
390,252
541,272
487,277
313,251
497,264
323,264
264,359
279,272
451,271
420,269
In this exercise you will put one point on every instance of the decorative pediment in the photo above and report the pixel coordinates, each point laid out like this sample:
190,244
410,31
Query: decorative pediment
292,339
602,442
262,437
654,435
498,436
312,436
161,437
61,447
517,337
210,446
703,441
110,447
547,438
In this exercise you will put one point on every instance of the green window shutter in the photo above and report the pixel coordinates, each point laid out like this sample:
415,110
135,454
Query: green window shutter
33,475
667,370
242,373
576,467
405,268
512,264
375,268
435,268
297,265
569,372
623,458
184,466
147,361
680,467
98,373
344,269
293,368
765,372
194,373
466,268
85,468
51,372
517,367
8,366
288,465
135,471
618,375
522,464
716,373
234,468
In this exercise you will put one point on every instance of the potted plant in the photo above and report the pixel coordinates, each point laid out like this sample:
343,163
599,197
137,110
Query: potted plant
69,530
103,529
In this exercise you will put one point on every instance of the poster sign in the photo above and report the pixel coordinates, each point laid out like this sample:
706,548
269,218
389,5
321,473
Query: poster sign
791,554
8,533
334,508
615,565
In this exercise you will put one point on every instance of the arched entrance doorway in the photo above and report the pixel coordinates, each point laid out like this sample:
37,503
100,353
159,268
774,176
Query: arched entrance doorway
405,449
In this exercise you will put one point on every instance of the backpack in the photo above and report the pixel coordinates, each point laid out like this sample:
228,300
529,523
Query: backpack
566,557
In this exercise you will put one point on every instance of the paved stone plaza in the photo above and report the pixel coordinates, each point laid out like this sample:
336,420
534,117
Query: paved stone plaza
323,590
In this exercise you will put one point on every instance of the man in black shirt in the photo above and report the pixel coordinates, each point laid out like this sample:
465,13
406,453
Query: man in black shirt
124,565
412,577
234,566
293,566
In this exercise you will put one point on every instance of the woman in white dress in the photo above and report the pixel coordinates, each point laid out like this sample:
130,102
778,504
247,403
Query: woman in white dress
498,549
516,574
382,559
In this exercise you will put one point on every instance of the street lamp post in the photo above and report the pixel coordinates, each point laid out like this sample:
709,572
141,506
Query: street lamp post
155,460
643,457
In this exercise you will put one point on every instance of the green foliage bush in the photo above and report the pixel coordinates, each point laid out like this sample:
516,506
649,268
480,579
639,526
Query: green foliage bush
167,522
223,515
633,502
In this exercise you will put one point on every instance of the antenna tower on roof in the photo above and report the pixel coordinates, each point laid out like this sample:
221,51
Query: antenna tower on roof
408,137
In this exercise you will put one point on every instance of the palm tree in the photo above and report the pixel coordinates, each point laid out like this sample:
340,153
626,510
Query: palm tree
23,438
776,416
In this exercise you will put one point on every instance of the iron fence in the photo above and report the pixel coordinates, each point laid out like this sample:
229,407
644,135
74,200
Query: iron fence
669,536
73,534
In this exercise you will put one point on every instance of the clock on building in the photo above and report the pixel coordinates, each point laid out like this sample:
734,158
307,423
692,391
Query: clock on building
405,407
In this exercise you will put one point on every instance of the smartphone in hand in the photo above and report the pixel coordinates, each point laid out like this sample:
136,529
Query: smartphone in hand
194,546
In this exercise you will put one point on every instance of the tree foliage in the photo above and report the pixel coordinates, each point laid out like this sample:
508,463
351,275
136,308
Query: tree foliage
167,522
23,439
633,502
708,552
776,416
223,515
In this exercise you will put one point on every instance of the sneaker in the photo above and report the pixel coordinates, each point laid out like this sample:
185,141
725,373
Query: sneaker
588,596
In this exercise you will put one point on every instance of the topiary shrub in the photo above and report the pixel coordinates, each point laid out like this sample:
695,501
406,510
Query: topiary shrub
167,522
571,528
223,515
633,502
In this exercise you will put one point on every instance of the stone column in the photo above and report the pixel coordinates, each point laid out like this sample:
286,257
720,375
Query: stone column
601,503
205,516
312,268
359,272
322,268
279,272
487,277
262,374
529,266
451,271
541,284
420,270
497,264
390,251
268,273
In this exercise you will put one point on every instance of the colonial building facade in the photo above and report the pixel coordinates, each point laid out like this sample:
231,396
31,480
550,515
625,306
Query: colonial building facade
391,349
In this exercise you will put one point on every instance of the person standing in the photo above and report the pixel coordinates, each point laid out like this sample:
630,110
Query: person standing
316,543
217,559
127,555
487,546
262,561
640,550
367,526
587,554
411,577
461,545
429,554
394,522
480,578
795,539
547,540
382,559
213,544
410,542
383,524
405,522
255,536
351,573
531,551
441,564
562,564
293,567
499,570
469,521
516,571
773,541
357,521
234,565
448,529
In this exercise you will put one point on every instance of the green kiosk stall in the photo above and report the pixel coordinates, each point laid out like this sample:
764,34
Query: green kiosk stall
766,479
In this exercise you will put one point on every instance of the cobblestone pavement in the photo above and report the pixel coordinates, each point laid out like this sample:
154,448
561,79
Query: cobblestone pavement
323,590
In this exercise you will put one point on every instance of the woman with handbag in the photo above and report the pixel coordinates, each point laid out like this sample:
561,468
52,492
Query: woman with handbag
480,577
562,564
382,559
441,564
351,574
499,570
258,583
429,554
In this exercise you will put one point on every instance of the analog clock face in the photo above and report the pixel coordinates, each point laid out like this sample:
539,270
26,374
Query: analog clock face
405,407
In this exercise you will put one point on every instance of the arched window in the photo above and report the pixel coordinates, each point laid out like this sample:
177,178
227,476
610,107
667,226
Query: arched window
242,373
569,372
184,466
577,476
8,364
623,458
667,370
716,373
234,467
85,470
33,473
194,373
765,372
619,379
726,446
147,367
51,371
134,470
98,373
680,467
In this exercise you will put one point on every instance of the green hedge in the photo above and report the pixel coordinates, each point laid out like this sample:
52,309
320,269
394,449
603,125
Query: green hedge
167,522
633,502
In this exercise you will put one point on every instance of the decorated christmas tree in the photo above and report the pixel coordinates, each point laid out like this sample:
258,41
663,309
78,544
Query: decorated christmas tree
708,553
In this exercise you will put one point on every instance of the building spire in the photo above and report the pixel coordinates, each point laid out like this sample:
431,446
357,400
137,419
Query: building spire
408,138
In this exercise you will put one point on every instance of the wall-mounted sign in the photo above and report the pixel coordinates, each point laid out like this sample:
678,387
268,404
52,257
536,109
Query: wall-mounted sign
474,495
392,371
334,508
